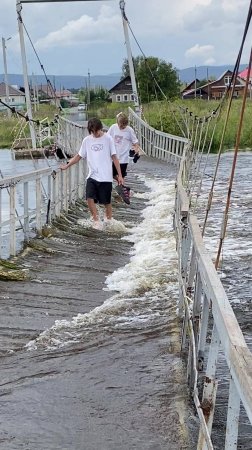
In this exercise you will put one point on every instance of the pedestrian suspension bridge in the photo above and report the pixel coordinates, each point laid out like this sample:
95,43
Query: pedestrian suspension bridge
201,293
203,304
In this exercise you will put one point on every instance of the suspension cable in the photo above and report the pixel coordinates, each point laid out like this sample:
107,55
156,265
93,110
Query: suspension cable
230,92
40,63
231,180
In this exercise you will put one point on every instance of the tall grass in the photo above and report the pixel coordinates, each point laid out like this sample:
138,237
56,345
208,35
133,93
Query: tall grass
164,116
170,118
7,130
10,126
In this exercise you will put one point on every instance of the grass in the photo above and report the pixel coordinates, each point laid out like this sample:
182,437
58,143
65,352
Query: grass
164,116
10,126
170,117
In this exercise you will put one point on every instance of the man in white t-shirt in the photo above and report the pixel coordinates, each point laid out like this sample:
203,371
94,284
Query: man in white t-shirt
124,139
99,150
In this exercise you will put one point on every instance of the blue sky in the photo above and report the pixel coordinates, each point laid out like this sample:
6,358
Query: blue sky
74,37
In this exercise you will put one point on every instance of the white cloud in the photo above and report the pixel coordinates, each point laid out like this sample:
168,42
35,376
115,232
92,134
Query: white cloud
91,33
201,54
84,31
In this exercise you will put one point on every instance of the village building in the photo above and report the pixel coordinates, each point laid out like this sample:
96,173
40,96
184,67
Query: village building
122,92
244,74
47,94
214,90
16,97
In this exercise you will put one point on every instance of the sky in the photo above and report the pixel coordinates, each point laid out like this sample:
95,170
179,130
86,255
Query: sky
72,38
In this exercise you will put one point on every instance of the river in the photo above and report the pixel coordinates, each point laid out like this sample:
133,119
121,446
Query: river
92,370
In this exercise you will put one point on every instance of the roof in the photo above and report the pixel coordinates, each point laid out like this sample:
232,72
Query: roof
63,93
125,82
191,85
244,73
12,91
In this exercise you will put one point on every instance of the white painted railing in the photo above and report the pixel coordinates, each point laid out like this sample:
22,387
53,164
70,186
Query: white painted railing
157,144
44,194
30,200
70,136
202,296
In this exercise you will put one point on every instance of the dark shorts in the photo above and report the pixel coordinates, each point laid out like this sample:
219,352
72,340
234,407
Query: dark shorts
99,191
123,170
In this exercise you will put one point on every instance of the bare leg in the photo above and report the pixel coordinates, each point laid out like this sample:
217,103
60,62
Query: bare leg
93,209
108,211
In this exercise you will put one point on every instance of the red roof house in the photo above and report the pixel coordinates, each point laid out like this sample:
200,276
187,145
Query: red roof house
244,74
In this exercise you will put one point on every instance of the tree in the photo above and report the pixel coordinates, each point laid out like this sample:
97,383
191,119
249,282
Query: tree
155,78
98,94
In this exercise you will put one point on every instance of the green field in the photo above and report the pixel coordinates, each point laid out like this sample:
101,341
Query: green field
165,116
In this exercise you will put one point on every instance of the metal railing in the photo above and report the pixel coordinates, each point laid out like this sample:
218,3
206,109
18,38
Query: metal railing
157,144
29,201
203,303
70,136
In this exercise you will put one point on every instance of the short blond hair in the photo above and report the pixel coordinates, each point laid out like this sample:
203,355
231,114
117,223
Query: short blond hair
122,120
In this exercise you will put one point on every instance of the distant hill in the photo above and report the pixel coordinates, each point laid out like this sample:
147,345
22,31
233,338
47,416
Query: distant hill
68,81
108,81
187,75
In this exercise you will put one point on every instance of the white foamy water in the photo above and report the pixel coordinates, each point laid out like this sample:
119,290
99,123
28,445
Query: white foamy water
145,287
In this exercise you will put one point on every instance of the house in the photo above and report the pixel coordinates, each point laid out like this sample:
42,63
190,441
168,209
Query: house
215,90
16,97
47,94
122,92
244,74
189,90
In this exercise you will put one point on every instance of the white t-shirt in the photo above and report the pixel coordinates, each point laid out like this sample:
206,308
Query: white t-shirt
123,140
98,152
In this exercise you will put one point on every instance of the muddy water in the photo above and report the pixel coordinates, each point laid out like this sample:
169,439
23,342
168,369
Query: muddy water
90,345
235,265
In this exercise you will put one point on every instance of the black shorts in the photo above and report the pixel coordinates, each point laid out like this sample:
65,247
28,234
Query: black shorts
99,191
123,170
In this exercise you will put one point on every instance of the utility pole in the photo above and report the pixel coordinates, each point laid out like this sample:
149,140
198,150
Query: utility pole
25,72
34,92
130,60
7,92
195,82
208,94
88,90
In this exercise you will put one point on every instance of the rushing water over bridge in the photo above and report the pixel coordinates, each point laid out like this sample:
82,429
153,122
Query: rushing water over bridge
138,324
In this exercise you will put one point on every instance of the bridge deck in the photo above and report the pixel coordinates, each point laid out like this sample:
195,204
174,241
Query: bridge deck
111,386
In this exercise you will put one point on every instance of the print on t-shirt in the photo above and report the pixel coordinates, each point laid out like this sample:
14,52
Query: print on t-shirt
118,139
97,147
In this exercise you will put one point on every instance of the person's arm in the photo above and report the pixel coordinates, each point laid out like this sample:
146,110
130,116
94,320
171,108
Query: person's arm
136,148
134,140
74,160
118,168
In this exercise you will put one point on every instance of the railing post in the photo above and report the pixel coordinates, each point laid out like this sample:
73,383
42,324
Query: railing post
184,250
232,417
26,210
38,204
12,220
203,332
210,387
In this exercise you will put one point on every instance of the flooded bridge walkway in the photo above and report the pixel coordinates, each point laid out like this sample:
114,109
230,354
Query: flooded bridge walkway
90,354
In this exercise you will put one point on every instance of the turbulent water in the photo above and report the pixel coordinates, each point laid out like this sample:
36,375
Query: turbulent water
235,267
109,375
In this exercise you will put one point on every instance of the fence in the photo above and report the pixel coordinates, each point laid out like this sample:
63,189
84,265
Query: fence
30,200
203,303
